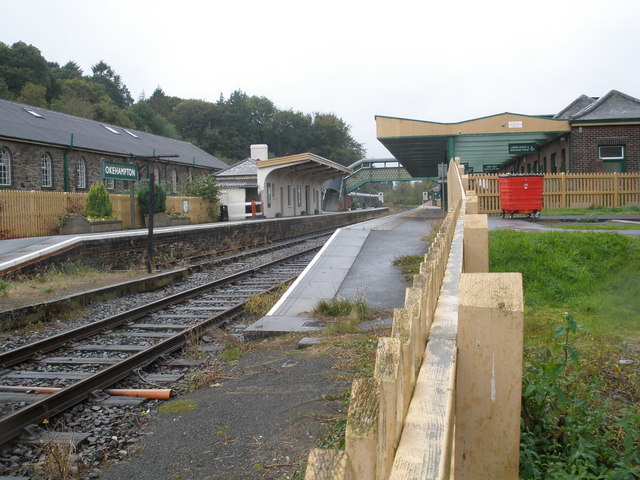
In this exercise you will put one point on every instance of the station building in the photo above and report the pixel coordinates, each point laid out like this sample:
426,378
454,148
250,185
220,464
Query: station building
52,151
590,135
283,186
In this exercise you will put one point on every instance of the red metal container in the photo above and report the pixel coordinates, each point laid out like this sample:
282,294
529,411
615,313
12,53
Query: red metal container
521,194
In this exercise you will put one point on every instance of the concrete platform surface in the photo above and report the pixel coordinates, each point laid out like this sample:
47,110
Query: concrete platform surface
356,264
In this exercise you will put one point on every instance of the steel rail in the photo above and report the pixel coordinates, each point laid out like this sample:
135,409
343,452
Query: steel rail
20,354
13,424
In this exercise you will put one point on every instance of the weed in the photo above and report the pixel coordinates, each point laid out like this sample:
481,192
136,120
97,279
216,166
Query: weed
567,430
4,288
204,377
259,305
409,264
231,353
178,406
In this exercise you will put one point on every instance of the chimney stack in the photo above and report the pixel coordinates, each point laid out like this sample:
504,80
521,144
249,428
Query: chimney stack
260,152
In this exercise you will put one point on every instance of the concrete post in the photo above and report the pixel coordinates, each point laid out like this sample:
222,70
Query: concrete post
362,428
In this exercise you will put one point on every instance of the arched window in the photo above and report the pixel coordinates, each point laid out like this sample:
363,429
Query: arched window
174,181
45,171
156,175
5,166
81,173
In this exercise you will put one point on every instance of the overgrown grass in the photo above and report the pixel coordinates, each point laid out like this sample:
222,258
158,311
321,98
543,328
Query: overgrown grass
590,211
580,395
346,314
259,305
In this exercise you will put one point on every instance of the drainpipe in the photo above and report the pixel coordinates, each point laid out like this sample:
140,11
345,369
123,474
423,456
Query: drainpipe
66,164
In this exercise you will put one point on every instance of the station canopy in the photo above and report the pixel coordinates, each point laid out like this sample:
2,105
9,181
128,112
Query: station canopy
483,144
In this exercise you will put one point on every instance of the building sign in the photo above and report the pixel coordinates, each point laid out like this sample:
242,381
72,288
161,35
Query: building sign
119,171
491,168
516,124
522,148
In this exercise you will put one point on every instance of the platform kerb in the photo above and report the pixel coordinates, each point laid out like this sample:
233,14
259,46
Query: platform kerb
274,325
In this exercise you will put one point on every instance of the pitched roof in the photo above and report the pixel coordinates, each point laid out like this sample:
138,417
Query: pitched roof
574,107
242,168
613,106
23,122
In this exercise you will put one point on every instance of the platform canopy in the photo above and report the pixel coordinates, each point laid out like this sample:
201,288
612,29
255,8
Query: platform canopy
307,164
483,144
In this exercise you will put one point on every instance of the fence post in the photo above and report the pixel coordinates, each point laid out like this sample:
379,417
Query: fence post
489,376
388,370
362,428
475,246
327,465
403,330
563,190
616,189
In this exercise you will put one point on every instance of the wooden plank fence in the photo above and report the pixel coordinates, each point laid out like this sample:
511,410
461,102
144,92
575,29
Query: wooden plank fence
567,190
407,421
36,213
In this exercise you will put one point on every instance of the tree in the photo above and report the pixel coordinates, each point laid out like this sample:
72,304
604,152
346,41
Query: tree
32,94
104,75
330,138
21,64
144,118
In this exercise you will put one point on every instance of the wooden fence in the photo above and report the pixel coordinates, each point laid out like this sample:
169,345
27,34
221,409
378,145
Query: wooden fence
35,213
571,190
449,377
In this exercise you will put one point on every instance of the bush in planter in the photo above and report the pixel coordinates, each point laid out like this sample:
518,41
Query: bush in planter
98,201
159,197
207,188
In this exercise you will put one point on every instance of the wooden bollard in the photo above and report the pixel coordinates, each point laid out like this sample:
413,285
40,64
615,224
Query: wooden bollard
327,465
472,205
403,331
388,370
412,302
489,376
475,250
362,427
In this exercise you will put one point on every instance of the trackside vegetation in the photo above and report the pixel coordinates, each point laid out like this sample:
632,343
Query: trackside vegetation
581,385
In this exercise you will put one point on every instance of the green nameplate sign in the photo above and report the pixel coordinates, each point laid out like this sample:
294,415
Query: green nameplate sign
119,171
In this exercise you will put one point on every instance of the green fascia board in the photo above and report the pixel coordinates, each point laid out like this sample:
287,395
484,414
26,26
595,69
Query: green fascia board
404,179
460,135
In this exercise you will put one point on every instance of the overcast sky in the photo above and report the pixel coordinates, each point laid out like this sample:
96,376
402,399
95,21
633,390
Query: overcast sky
444,61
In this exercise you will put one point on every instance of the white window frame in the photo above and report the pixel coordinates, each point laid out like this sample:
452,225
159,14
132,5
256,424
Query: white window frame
46,178
110,183
621,157
5,167
81,173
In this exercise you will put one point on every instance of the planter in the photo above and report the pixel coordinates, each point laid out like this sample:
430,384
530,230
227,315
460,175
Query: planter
78,224
163,220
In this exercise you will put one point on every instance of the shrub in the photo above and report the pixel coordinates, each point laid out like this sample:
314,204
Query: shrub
207,188
159,197
98,201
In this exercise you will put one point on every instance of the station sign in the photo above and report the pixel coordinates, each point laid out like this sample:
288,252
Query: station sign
522,148
381,197
491,167
119,171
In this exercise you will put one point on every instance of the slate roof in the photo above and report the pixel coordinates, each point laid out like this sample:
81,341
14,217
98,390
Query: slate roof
55,128
614,105
242,168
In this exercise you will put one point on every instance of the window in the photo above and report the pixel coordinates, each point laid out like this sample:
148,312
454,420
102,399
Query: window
269,195
45,171
554,163
156,175
174,181
81,173
111,129
5,166
299,196
289,195
612,157
110,183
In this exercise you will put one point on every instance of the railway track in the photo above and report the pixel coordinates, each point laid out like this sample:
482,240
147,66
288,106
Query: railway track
97,355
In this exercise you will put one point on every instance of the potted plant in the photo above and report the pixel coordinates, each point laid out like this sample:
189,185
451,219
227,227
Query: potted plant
97,214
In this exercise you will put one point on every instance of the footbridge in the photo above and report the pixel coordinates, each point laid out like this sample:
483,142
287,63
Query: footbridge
374,170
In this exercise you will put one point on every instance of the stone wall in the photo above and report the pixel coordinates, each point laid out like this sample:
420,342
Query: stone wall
26,168
131,252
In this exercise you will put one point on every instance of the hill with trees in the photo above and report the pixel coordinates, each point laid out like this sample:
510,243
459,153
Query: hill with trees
224,128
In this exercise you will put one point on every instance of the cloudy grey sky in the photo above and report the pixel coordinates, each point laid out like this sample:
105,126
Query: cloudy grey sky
443,61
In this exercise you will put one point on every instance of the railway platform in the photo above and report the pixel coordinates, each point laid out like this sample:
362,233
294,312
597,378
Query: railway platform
356,263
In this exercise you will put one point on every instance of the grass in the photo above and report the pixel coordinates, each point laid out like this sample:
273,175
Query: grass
591,211
580,395
409,264
590,226
178,406
343,315
259,305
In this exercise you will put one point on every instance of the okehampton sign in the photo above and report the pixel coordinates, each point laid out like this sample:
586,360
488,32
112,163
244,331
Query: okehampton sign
119,171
